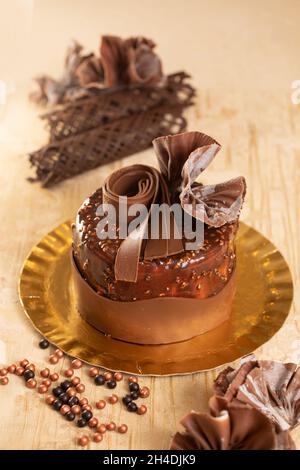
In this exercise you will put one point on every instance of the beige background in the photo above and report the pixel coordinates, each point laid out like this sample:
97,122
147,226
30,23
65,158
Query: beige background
243,56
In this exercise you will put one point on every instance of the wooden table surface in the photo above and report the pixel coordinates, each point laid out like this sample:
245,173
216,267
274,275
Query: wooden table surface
243,56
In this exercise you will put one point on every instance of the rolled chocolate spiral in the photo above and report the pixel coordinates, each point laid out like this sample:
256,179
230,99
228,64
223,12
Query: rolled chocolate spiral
139,184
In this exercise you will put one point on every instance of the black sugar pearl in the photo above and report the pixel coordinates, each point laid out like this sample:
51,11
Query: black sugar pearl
99,380
70,416
134,387
111,384
127,399
132,407
64,398
44,344
87,415
81,423
65,385
57,404
28,374
57,391
73,401
134,395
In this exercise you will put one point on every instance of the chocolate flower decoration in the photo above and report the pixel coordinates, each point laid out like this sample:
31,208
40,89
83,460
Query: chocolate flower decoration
181,158
121,62
229,426
271,387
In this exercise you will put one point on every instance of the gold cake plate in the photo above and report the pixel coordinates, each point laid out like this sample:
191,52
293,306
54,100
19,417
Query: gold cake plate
262,303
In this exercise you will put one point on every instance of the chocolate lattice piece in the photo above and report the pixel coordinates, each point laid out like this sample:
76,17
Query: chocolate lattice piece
62,159
104,106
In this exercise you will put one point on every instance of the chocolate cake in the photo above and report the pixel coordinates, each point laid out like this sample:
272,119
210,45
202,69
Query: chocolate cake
155,291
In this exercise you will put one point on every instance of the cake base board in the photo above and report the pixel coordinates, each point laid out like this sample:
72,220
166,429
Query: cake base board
264,293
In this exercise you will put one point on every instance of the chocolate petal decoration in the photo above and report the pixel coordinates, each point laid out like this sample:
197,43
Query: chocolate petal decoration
144,66
131,61
229,426
214,205
269,386
173,151
113,60
141,184
182,158
90,71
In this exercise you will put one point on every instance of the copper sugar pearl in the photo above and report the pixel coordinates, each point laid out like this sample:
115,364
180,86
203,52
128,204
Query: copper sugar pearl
76,364
122,429
4,380
75,381
42,389
24,363
3,372
83,441
100,404
50,399
80,388
45,373
53,359
93,422
111,426
93,372
98,437
101,428
31,383
142,410
59,353
69,373
47,382
113,399
19,370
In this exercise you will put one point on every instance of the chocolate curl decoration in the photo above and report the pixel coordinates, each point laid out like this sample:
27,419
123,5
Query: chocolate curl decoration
229,426
271,387
145,185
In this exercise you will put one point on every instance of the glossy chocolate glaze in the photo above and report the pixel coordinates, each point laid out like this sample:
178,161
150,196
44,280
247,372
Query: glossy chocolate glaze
193,274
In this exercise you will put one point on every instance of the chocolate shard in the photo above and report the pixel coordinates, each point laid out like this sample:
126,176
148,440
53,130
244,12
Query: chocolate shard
101,106
229,426
66,158
271,387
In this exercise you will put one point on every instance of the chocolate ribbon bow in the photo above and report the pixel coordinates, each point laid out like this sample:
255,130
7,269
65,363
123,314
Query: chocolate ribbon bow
182,158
